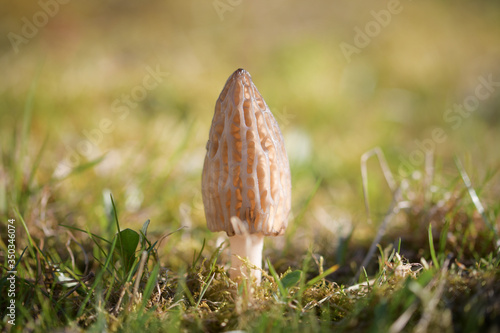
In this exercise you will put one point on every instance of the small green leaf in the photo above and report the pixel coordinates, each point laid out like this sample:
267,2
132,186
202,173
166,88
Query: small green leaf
291,279
127,247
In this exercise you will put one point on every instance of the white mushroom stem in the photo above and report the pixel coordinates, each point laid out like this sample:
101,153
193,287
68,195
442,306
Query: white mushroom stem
247,247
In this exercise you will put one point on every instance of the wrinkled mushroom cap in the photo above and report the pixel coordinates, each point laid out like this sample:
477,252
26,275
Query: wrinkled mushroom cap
246,172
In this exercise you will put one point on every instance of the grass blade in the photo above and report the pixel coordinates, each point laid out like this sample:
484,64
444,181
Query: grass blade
23,141
37,160
84,231
148,289
329,271
393,208
98,279
473,195
281,289
431,246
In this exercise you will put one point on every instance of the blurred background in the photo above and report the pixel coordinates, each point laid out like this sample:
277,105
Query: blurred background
131,86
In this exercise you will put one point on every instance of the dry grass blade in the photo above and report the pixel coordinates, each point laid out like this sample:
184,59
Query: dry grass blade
239,227
393,209
364,175
430,306
85,256
120,299
401,322
473,195
138,277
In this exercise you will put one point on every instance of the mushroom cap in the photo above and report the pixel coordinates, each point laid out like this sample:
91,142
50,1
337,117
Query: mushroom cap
246,171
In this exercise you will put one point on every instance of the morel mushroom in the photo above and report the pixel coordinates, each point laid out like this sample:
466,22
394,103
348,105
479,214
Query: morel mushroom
246,176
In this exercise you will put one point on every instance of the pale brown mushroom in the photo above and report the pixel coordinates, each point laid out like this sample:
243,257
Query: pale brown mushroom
246,175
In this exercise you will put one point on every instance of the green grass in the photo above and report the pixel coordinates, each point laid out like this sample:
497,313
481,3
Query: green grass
118,280
116,240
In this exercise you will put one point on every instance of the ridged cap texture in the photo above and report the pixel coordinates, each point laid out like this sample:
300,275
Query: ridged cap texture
246,171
